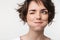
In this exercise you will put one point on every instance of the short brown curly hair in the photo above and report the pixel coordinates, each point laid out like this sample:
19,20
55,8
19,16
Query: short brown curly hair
47,3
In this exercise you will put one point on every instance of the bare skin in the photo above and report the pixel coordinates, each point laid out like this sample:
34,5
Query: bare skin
34,36
37,19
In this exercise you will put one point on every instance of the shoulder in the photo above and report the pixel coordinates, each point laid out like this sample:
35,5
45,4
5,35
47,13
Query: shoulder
18,38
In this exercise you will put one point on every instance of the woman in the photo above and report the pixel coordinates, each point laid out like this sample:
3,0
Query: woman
37,14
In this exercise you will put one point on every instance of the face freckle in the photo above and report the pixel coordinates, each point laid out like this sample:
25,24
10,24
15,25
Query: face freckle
37,16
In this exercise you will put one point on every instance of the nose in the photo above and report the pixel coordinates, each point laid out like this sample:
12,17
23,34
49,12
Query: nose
38,16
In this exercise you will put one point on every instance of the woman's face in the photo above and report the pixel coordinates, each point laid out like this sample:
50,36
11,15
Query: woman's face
37,16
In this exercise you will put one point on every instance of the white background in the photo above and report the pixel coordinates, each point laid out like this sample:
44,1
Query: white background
11,27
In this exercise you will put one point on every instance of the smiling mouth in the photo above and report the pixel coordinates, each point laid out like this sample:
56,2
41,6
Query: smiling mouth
38,22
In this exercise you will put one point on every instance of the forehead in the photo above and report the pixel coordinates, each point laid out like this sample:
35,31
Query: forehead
34,5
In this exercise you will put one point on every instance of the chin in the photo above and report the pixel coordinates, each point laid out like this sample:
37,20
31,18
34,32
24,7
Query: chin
38,29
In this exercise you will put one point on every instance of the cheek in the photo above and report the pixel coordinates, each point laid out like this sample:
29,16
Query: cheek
45,17
30,18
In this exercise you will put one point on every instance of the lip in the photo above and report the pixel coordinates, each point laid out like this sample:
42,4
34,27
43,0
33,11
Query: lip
38,22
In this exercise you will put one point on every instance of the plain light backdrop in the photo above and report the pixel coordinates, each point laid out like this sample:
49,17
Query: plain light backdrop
11,26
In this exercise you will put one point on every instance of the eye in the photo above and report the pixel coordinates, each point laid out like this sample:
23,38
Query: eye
44,12
31,13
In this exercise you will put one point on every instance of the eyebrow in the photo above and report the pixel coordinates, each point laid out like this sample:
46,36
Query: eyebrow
35,10
44,9
32,10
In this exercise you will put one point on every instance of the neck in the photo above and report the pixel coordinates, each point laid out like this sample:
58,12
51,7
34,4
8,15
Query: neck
34,35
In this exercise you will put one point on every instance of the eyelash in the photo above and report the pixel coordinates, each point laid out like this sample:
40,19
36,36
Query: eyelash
31,13
44,12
